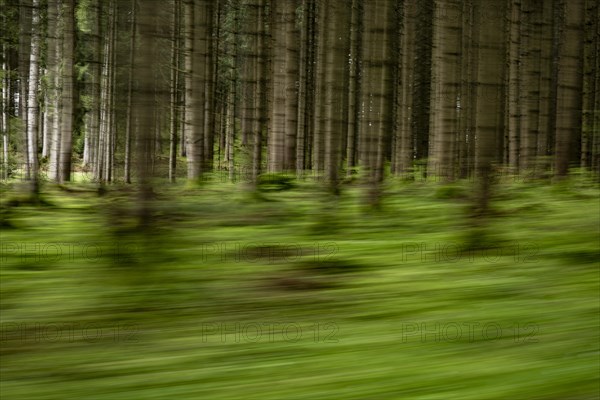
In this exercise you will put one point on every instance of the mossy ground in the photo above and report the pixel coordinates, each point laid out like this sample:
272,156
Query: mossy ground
350,304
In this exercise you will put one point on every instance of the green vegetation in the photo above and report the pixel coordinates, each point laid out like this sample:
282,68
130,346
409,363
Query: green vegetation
352,305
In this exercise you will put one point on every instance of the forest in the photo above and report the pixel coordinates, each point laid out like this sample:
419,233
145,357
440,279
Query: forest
387,199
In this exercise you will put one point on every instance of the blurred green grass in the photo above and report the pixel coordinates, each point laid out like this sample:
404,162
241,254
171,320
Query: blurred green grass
153,305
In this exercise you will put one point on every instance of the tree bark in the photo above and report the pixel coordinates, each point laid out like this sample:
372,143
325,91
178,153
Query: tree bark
377,92
336,41
402,155
32,100
26,19
282,105
144,105
569,85
129,118
174,115
54,87
90,156
515,86
445,84
69,89
489,28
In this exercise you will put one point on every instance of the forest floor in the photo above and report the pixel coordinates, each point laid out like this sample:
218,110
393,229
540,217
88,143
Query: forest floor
298,296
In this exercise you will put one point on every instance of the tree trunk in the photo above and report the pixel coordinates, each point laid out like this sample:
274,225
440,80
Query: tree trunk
5,100
531,88
402,155
445,84
305,140
68,95
291,85
489,28
336,41
197,27
515,86
32,100
101,172
174,116
263,73
377,92
93,116
302,87
546,105
144,105
26,19
569,86
422,80
129,118
354,89
191,103
211,73
319,120
280,13
595,123
54,87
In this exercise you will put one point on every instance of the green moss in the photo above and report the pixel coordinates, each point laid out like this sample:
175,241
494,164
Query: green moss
377,298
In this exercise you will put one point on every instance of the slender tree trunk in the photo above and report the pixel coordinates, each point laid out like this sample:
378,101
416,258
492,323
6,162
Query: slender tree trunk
531,88
54,60
93,116
69,89
250,102
311,87
263,64
174,123
591,51
422,79
32,100
336,41
112,81
377,91
197,29
490,88
101,166
25,42
595,123
144,104
277,133
546,105
129,117
291,85
211,74
231,129
354,95
107,111
570,81
302,87
44,118
468,94
515,86
232,103
5,99
319,120
402,155
191,103
445,84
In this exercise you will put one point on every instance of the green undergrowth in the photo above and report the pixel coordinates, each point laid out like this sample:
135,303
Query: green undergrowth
296,294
